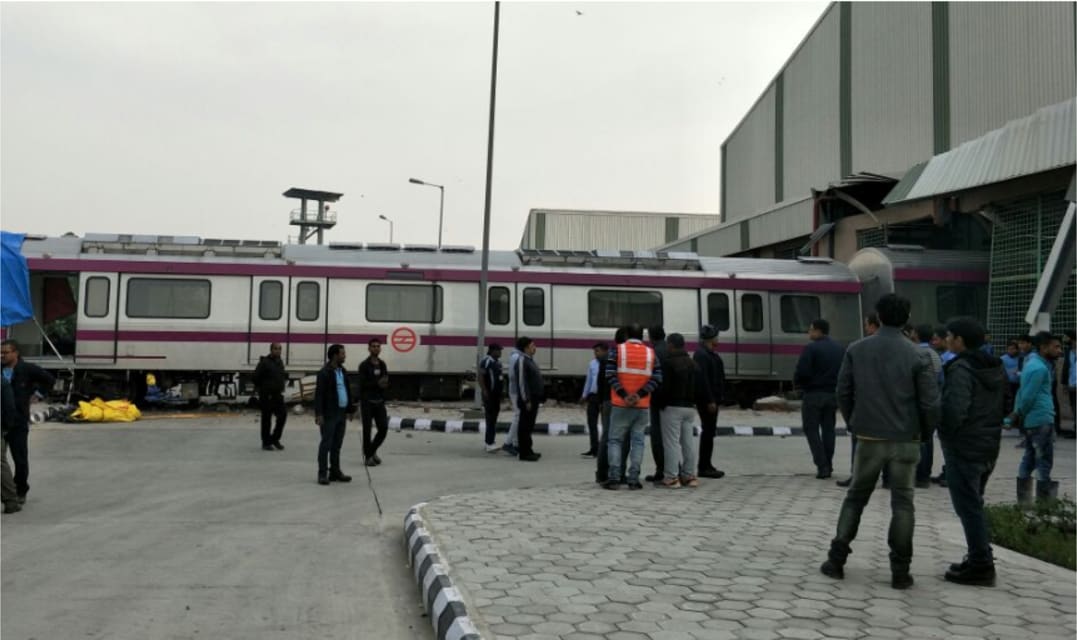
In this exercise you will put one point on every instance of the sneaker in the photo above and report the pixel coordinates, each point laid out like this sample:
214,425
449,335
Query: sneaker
635,486
845,483
901,581
339,476
690,481
973,575
675,483
278,446
711,473
510,449
833,570
492,448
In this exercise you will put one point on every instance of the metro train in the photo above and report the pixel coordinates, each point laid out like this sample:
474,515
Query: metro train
198,313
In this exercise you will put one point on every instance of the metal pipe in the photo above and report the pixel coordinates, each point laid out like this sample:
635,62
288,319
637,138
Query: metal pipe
485,269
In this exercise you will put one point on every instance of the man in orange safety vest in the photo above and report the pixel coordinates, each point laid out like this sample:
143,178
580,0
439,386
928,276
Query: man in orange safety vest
633,373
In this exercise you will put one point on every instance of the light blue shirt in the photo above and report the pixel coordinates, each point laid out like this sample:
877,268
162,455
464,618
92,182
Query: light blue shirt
591,385
342,390
1072,382
513,358
1010,363
8,372
947,356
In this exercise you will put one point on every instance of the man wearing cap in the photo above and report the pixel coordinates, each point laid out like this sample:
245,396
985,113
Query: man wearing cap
634,373
490,384
712,374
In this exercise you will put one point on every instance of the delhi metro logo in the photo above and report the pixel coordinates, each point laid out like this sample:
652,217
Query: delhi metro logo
403,339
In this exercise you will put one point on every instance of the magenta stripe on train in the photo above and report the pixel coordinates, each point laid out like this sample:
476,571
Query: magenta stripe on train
363,338
441,275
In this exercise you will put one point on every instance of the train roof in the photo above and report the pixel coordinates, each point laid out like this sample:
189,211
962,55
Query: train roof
144,248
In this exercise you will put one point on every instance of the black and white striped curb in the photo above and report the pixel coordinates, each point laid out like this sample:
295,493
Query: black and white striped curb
442,601
563,428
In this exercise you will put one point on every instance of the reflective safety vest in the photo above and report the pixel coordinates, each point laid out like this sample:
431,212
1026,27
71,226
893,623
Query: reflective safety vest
635,364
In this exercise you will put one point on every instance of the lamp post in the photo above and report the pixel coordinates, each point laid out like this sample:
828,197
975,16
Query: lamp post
441,207
485,268
382,217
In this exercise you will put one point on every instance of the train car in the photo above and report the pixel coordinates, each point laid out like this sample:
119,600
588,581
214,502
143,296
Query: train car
199,313
940,284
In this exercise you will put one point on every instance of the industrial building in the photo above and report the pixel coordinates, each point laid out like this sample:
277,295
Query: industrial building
948,125
625,230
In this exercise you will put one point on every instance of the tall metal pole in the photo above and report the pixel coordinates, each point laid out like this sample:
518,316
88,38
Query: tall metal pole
484,273
441,215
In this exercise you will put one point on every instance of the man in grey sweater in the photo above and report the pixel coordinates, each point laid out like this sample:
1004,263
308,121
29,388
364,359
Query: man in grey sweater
888,395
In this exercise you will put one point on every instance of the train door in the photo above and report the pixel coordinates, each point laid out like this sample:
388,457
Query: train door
717,309
535,320
307,322
95,333
753,333
268,320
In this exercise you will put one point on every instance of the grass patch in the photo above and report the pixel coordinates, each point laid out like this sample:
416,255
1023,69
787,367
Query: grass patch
1045,531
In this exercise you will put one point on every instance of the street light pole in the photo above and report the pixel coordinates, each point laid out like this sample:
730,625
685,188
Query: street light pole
441,206
485,268
390,227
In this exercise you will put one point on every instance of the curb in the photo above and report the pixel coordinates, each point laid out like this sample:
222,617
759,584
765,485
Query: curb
562,428
442,601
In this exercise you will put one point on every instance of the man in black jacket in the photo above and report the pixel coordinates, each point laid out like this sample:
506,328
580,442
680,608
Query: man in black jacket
26,379
7,422
373,381
971,429
657,336
677,398
333,406
270,378
531,392
817,375
712,374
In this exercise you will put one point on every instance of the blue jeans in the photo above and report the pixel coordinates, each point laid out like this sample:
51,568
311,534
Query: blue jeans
966,480
1039,453
624,420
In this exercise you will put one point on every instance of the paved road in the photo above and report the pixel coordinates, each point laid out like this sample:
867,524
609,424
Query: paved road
185,528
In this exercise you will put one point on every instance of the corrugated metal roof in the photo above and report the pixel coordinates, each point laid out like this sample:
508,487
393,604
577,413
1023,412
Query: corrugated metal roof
1045,140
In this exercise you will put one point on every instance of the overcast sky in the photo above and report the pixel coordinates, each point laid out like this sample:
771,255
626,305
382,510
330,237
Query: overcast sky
192,119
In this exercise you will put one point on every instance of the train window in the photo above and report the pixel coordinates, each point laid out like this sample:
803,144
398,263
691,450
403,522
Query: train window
271,300
167,298
97,292
718,311
498,305
798,312
621,308
751,312
307,301
403,303
956,300
534,307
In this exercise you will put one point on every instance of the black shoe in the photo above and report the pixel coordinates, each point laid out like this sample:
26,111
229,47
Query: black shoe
370,462
823,473
901,581
278,446
530,457
21,498
845,483
635,486
323,478
611,485
711,473
654,478
977,576
376,459
833,570
923,484
267,447
12,507
339,476
588,454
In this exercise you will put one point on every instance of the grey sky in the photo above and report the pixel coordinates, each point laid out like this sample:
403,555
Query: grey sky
192,119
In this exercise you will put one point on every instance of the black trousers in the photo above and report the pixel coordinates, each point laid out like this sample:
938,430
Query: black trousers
272,405
658,452
491,407
594,410
603,470
527,428
374,415
708,429
818,412
20,458
332,429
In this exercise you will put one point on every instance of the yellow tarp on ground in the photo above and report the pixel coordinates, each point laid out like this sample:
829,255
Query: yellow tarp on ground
112,411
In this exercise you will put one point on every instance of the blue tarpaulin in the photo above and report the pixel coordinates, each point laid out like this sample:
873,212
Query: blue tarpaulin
15,304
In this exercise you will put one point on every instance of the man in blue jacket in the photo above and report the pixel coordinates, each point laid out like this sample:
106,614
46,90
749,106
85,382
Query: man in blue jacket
333,406
1035,412
817,375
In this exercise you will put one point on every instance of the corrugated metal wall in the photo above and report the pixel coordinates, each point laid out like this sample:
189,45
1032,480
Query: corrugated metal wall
891,94
691,224
721,242
810,119
788,222
749,168
583,231
1007,60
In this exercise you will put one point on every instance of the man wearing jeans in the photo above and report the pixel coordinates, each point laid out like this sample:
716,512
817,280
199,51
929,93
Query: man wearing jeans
633,373
333,407
677,399
887,392
1035,411
817,375
970,431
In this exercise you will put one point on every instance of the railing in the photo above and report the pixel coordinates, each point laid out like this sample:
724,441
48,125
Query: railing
328,219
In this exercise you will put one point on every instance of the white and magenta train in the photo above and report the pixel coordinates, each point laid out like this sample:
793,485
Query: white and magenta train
199,312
